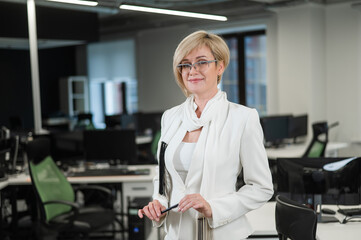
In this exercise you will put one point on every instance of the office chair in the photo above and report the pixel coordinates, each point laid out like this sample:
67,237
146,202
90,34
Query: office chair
317,147
84,122
294,221
59,211
112,121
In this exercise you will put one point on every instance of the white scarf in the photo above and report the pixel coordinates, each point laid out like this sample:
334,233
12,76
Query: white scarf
191,121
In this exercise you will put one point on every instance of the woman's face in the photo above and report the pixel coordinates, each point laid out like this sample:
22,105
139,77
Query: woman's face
203,80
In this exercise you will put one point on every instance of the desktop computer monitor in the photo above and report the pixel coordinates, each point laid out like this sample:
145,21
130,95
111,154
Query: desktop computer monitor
149,120
104,145
275,129
297,126
335,180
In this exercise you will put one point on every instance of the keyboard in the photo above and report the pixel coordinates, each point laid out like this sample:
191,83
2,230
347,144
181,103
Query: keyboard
109,172
350,211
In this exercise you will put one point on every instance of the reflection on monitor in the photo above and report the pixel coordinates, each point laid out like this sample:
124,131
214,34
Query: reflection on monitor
275,129
118,145
337,180
298,126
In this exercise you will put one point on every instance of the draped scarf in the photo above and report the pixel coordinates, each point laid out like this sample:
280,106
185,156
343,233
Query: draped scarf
190,120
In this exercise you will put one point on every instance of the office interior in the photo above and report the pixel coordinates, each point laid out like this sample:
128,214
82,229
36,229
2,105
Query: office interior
312,58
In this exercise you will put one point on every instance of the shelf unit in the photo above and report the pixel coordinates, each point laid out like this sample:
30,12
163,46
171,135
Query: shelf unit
74,97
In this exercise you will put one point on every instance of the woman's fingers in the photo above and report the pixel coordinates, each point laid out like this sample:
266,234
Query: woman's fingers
140,213
152,210
197,202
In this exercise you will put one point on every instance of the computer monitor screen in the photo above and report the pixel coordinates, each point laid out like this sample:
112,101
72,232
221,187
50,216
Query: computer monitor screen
116,144
336,179
275,129
297,126
146,121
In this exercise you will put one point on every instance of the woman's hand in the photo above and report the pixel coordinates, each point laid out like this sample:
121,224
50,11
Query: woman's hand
197,202
152,211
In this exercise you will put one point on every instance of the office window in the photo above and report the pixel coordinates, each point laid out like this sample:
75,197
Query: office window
245,81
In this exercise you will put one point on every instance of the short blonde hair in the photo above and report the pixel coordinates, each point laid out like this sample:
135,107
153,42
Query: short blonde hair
197,39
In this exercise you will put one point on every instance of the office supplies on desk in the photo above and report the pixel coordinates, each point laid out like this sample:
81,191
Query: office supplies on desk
328,211
350,211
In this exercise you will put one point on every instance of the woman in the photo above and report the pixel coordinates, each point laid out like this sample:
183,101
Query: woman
209,141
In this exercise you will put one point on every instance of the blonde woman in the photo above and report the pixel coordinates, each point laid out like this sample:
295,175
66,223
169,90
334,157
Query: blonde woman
209,141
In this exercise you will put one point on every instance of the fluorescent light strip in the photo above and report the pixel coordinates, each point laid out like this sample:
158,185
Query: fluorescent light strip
87,3
173,12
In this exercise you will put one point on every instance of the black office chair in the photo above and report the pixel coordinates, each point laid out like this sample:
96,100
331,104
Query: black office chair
294,221
317,147
59,211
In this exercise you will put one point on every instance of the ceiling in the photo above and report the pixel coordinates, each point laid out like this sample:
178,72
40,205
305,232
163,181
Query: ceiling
118,21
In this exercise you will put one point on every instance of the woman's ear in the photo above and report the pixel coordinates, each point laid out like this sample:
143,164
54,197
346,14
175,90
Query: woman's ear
220,67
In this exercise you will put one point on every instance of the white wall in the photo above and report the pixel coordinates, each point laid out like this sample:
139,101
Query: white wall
157,88
300,61
318,57
342,72
111,60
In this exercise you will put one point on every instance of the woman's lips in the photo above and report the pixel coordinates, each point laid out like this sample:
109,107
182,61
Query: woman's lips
195,80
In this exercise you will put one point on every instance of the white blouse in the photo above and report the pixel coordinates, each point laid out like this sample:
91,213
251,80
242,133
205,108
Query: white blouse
183,157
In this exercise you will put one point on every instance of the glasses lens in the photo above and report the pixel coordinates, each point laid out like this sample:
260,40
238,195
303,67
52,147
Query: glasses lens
179,68
184,68
202,66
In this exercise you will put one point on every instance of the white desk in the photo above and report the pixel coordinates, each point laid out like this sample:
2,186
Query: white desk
263,223
132,186
297,150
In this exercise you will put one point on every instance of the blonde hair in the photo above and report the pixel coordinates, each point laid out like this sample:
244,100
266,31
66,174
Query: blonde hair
197,39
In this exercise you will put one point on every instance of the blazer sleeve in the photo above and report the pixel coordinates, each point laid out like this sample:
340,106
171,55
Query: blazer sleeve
258,188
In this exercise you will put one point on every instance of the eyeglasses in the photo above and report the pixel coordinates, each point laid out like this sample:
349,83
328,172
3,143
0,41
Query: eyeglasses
200,66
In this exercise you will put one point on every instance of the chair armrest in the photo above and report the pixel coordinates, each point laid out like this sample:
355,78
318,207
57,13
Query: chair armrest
74,206
93,187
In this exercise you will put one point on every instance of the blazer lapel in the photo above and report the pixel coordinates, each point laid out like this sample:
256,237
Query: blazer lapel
169,154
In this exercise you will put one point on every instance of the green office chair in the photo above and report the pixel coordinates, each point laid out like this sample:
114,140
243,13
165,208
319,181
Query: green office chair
56,198
294,221
84,122
155,140
317,147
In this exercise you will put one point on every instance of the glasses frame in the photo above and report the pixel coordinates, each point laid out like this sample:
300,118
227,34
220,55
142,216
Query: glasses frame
194,65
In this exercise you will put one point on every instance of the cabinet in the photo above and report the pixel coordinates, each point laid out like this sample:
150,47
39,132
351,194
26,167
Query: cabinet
74,96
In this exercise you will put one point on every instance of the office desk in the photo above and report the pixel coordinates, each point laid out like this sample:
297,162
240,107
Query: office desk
297,150
263,223
3,184
131,185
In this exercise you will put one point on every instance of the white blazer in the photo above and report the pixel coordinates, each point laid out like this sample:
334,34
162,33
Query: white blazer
239,141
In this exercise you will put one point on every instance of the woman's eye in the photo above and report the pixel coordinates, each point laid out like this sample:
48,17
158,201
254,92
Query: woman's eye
202,63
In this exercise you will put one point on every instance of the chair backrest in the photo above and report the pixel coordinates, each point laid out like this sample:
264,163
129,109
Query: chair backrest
48,181
294,220
317,147
84,122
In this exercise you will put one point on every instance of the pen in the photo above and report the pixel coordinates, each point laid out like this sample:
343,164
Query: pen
170,208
